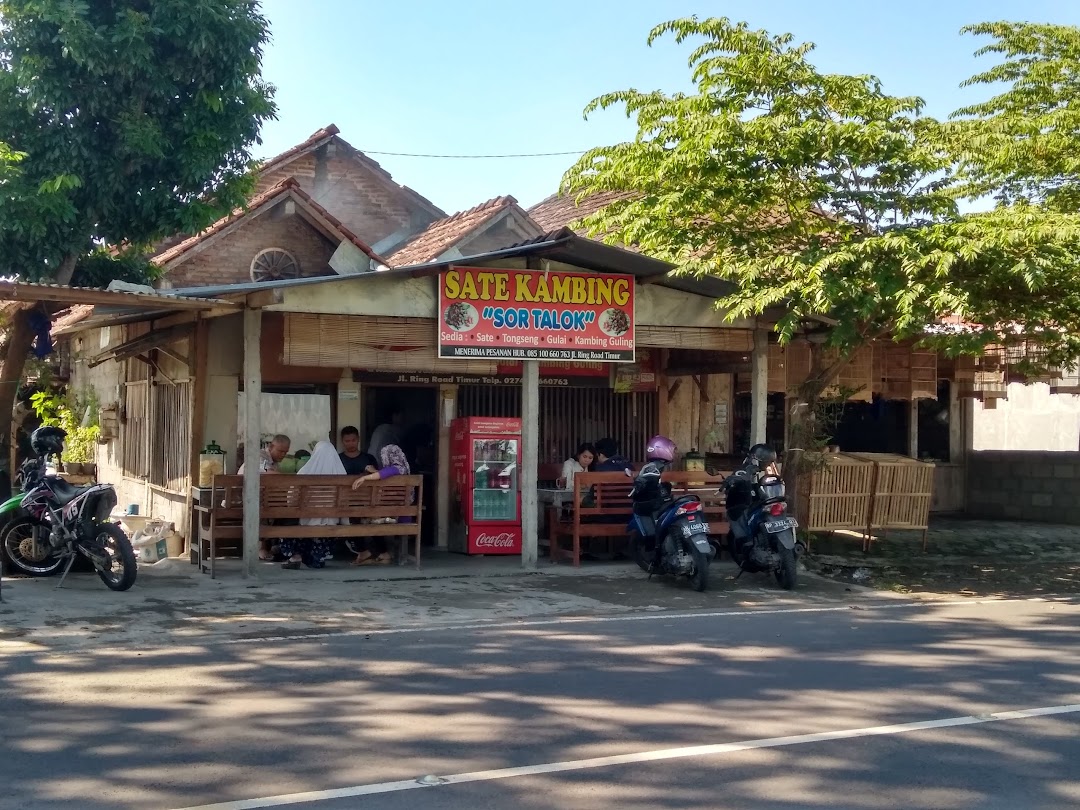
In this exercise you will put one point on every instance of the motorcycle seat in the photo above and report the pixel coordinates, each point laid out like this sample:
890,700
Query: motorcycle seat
64,492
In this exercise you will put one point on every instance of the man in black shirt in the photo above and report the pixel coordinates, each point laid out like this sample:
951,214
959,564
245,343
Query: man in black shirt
355,462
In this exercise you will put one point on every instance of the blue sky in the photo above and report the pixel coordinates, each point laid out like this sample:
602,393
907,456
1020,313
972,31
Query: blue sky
484,77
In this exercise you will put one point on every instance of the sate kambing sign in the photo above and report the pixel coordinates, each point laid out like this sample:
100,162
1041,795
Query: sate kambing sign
495,314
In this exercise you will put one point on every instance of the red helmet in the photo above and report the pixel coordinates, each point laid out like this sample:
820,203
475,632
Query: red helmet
660,448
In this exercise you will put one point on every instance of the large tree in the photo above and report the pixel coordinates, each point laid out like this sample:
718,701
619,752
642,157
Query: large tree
826,199
134,119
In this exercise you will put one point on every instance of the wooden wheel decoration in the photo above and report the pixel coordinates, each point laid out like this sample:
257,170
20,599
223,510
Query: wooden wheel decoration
274,264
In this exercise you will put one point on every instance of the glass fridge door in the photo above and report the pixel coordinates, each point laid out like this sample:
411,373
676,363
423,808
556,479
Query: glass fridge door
495,480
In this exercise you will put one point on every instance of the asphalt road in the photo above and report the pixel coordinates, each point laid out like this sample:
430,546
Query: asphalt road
249,725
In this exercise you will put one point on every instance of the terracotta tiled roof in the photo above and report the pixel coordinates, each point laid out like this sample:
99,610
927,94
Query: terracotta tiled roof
327,134
289,186
559,210
443,234
72,316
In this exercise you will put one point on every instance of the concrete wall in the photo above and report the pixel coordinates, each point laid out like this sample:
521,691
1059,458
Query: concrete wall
1030,419
1018,485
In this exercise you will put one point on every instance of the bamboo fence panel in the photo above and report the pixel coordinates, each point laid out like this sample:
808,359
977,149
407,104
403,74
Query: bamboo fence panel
839,495
903,490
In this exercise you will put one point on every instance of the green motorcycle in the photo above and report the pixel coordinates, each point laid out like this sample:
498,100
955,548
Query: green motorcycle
24,542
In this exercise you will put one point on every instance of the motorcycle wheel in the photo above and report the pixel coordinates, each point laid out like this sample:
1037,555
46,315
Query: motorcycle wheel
644,552
112,539
700,578
785,571
19,547
733,551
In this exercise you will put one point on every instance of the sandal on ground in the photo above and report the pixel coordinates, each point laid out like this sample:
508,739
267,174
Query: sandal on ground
368,560
383,559
291,565
266,556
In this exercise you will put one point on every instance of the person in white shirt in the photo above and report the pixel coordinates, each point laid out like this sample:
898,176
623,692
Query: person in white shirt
581,462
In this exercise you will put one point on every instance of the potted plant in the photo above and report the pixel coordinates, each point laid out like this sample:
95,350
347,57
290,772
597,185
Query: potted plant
79,444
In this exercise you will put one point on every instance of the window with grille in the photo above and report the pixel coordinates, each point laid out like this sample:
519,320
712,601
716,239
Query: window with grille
569,416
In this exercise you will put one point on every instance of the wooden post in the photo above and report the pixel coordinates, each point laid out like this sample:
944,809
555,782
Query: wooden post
913,429
252,430
759,387
447,411
197,390
530,460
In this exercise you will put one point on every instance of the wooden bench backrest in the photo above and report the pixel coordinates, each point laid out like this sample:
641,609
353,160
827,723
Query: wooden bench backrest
611,490
314,496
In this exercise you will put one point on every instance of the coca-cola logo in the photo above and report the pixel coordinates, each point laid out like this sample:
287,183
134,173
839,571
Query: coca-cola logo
504,540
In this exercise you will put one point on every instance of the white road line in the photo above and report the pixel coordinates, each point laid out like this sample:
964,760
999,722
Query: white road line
642,756
630,617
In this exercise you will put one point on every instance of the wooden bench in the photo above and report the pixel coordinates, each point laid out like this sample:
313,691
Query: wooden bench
221,524
612,503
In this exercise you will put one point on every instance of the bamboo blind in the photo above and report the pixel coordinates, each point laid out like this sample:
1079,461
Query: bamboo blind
372,343
908,373
695,337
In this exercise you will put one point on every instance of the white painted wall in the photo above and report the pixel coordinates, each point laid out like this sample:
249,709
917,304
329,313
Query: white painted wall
1030,419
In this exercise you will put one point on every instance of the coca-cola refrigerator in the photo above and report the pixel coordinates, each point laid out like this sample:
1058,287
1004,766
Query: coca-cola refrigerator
485,504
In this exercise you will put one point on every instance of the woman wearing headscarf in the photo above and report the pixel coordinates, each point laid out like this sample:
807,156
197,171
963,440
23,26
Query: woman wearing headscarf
314,551
393,463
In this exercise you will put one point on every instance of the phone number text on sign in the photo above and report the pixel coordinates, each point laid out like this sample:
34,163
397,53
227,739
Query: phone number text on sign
532,315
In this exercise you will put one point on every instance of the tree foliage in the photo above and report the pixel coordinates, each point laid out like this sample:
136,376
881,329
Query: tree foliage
830,203
135,119
121,122
1023,144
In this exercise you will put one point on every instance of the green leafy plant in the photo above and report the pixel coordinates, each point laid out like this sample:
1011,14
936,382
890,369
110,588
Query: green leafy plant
53,411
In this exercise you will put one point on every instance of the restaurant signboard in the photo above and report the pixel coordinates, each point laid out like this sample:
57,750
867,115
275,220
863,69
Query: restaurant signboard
488,313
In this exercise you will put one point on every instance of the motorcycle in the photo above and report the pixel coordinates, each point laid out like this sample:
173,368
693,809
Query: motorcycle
762,535
52,522
671,535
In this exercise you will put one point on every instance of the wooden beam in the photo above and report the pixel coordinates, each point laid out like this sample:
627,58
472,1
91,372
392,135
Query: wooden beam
675,386
252,398
144,343
264,298
177,356
530,462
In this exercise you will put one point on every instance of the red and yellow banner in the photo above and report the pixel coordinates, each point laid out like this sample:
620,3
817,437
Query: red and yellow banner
498,314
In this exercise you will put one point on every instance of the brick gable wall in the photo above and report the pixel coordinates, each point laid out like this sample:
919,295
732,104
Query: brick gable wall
228,260
353,194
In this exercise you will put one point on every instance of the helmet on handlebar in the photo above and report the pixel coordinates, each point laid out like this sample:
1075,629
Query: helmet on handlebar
660,448
762,455
48,441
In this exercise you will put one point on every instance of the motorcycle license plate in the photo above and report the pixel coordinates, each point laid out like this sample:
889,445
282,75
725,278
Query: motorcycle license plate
697,527
774,526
